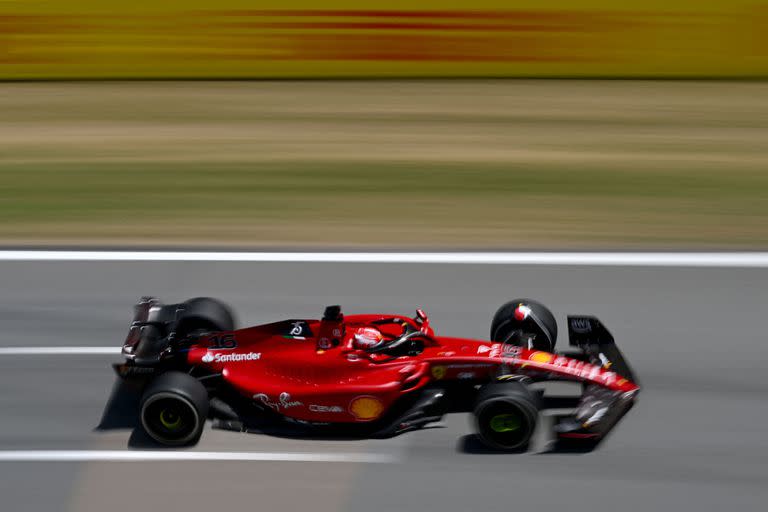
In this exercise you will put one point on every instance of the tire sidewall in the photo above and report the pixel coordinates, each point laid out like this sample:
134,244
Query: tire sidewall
504,316
183,388
528,413
510,394
204,314
193,436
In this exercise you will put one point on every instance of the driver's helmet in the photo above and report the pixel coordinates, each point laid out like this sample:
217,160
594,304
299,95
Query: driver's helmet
367,338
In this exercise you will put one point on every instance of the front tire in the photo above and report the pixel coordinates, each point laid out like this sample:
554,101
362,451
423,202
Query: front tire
506,414
539,321
174,408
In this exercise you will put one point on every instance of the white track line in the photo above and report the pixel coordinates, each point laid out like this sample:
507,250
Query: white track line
664,259
58,351
168,455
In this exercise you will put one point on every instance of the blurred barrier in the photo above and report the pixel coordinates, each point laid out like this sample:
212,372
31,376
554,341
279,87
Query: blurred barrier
339,38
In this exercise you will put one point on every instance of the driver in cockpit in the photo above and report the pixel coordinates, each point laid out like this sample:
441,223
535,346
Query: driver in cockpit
367,338
388,334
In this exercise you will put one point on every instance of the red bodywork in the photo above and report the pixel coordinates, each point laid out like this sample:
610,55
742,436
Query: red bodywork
314,373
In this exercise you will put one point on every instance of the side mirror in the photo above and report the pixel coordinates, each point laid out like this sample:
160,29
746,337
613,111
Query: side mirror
423,320
333,314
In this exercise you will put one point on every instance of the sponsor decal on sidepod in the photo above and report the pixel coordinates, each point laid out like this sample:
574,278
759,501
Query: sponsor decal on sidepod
325,408
284,401
366,408
230,358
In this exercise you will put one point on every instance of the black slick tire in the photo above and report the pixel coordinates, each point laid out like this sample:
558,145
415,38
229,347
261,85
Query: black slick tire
542,322
505,416
173,409
204,314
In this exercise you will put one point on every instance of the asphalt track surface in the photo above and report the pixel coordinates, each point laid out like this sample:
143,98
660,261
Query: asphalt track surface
696,440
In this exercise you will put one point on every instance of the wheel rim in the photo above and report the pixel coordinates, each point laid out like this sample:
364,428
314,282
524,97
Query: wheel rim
506,425
169,418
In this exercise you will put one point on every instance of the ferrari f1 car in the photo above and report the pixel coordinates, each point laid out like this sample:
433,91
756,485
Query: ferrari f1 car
373,375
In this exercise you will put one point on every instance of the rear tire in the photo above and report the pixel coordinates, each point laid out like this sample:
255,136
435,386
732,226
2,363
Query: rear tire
174,408
204,314
541,322
506,414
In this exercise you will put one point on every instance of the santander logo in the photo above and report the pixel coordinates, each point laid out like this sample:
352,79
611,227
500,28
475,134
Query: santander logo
230,358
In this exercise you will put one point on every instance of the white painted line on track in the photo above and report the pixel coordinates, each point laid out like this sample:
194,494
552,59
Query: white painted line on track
58,351
169,455
656,259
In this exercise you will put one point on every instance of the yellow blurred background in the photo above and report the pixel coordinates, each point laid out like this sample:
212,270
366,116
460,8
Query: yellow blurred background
473,156
42,39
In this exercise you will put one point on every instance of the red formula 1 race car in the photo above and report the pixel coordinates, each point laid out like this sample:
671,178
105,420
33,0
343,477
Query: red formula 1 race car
370,375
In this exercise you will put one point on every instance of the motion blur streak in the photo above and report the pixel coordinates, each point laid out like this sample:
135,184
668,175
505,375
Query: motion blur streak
654,259
695,336
417,165
301,38
58,351
167,455
291,141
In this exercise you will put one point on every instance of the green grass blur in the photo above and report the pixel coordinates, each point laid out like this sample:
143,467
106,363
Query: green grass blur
350,203
465,164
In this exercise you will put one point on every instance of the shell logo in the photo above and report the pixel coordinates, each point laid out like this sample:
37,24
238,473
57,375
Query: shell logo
366,408
540,357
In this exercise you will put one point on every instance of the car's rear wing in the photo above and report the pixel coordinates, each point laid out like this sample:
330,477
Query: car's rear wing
140,320
148,338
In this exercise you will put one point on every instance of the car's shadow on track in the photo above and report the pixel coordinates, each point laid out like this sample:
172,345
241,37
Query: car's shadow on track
472,444
121,413
568,448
